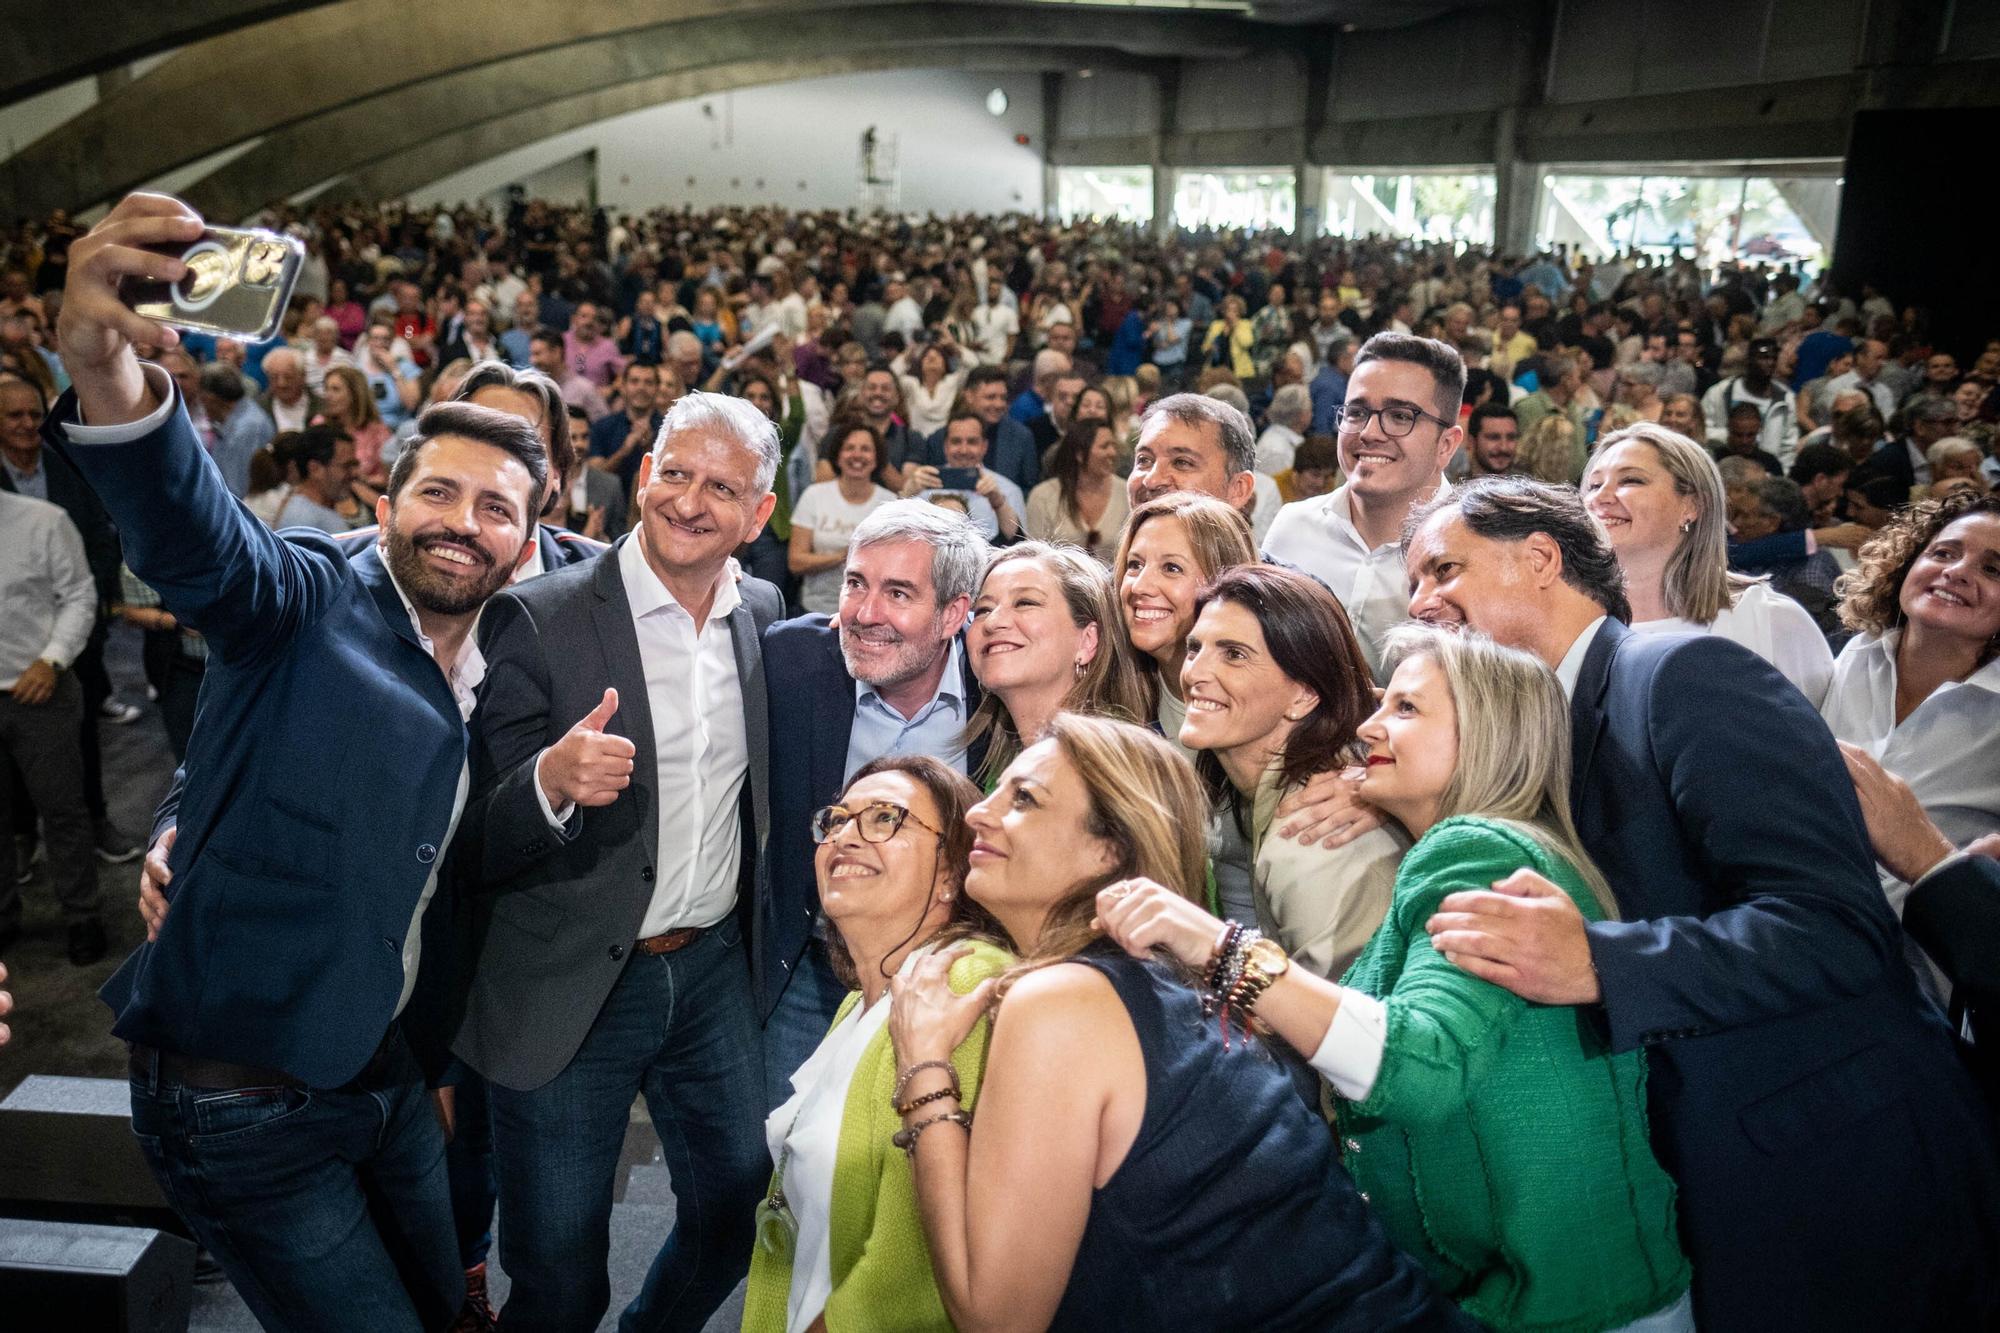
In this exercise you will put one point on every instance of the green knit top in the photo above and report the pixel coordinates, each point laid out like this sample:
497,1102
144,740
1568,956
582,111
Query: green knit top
1501,1143
879,1260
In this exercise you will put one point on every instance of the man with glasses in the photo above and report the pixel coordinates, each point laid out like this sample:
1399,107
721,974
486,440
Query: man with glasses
1396,433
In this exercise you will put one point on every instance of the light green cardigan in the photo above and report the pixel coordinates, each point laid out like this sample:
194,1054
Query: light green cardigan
881,1264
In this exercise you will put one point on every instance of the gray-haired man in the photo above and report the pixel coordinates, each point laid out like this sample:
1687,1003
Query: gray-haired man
611,958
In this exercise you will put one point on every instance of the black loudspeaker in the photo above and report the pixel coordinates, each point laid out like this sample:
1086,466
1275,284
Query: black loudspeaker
94,1279
67,1154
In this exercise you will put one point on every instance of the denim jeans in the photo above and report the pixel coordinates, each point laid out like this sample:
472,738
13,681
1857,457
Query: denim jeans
680,1029
799,1021
327,1208
468,1161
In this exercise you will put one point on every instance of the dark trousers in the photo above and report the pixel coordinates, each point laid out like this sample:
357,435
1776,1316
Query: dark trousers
799,1021
180,689
41,740
327,1209
681,1030
96,683
468,1160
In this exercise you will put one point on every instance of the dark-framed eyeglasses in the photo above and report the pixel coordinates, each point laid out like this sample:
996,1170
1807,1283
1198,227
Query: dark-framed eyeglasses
1396,421
878,821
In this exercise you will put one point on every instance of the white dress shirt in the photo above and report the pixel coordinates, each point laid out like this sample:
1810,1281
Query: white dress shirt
701,750
1947,749
1275,448
1372,582
1774,627
48,600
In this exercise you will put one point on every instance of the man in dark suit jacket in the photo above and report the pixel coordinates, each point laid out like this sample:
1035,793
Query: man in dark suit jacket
618,856
1833,1169
1010,447
892,679
276,1088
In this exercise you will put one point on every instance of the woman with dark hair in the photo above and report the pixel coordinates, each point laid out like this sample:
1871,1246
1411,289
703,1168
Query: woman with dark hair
839,1242
1275,686
1084,502
829,511
1132,1164
928,395
1918,687
1498,1141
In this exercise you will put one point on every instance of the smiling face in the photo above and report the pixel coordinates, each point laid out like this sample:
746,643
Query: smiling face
891,628
964,443
883,889
856,459
1498,441
698,502
1635,502
1240,703
1954,586
457,528
1157,587
1032,842
1412,745
1102,460
1379,465
1022,635
1177,455
1458,577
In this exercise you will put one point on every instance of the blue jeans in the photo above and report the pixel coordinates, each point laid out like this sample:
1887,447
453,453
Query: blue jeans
799,1021
327,1209
468,1161
681,1029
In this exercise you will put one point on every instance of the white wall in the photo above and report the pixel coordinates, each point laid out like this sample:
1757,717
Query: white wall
798,144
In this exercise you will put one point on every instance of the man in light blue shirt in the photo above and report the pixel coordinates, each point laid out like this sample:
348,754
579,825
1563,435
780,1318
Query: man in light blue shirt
241,426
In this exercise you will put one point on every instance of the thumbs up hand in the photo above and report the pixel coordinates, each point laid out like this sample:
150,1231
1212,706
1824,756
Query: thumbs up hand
587,766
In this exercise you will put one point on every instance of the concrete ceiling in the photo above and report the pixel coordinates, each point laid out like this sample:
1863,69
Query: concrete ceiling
340,87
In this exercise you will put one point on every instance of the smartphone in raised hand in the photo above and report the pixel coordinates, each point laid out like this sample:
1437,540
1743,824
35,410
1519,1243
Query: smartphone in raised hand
238,284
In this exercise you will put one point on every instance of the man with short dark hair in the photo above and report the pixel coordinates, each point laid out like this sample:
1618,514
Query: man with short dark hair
1835,1167
1010,448
1398,430
621,440
1775,404
279,1012
1745,431
1492,439
241,426
545,353
993,503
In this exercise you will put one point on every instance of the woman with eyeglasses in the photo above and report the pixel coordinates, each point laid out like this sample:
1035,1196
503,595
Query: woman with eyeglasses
839,1240
1131,1164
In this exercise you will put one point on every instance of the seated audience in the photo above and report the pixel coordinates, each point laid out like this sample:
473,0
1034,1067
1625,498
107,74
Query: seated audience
839,1240
321,469
1315,470
826,515
993,502
1084,501
1658,499
1132,1165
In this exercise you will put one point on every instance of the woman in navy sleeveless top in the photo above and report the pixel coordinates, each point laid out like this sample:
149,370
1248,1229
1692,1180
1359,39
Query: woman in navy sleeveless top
1132,1167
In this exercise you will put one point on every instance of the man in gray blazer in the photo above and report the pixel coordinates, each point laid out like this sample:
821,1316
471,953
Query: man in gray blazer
615,857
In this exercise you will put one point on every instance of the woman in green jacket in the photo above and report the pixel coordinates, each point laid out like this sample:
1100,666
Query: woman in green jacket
1498,1141
839,1241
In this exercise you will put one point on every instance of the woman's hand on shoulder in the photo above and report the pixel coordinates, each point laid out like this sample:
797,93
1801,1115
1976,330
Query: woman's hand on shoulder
927,1018
1328,809
1141,915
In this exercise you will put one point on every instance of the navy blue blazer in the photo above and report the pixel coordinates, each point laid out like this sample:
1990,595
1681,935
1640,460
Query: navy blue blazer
1832,1169
812,719
320,777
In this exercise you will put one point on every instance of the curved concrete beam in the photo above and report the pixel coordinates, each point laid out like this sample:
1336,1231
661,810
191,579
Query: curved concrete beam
43,51
439,157
350,138
221,92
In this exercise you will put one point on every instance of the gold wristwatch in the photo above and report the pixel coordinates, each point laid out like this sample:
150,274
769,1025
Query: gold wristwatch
1263,963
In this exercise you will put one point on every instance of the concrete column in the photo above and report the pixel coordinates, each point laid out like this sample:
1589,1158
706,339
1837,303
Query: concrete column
1165,176
1165,181
1052,82
1308,177
1309,195
1517,190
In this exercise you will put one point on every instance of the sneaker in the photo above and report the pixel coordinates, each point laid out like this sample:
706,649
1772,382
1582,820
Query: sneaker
113,846
86,942
118,714
477,1315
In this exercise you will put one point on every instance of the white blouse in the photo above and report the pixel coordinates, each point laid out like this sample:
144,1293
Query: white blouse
809,1122
1774,627
1947,749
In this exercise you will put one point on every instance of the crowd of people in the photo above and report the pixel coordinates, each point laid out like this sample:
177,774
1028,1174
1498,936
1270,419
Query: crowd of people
1086,781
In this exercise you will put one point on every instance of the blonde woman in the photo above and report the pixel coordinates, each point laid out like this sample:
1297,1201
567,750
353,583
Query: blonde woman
1229,340
1658,498
1497,1140
1043,640
1131,1166
1549,450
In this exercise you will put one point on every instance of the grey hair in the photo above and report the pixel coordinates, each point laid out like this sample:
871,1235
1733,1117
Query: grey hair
1783,500
1294,402
680,338
1512,509
1513,741
958,552
1231,394
1950,447
1695,585
1239,441
1049,365
737,418
282,355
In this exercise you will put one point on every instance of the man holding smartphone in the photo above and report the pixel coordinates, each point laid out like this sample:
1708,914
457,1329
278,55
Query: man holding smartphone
278,1029
993,503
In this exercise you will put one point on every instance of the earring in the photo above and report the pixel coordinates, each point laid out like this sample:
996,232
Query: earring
1080,664
1687,525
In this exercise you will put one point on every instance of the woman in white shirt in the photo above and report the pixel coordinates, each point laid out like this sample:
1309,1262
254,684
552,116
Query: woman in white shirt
839,1239
928,394
1659,500
828,512
1084,501
1918,687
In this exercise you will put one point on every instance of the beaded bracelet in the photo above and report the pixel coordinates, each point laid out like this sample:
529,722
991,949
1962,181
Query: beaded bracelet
926,1099
906,1139
903,1079
1231,933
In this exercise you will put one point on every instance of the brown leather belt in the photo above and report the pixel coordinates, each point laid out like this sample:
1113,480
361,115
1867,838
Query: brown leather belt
672,941
195,1072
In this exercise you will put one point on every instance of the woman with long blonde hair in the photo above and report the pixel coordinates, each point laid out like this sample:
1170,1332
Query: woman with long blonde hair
1498,1141
1132,1164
